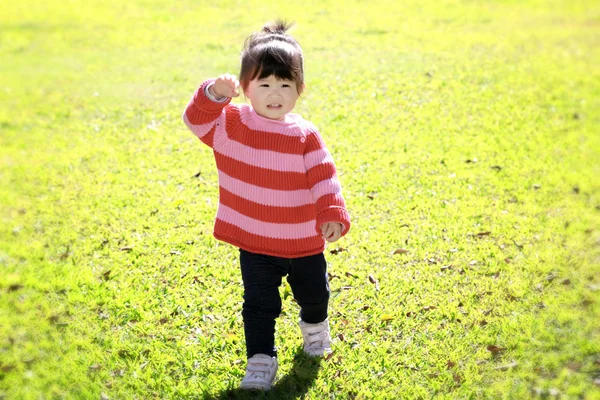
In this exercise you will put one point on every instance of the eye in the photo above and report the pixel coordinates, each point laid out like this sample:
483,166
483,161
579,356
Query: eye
264,85
286,85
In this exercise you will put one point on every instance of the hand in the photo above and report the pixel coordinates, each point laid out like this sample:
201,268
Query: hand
331,231
225,85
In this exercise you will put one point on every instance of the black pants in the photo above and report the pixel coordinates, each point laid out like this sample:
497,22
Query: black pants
262,275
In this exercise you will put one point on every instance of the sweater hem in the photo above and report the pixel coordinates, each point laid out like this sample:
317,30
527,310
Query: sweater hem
268,252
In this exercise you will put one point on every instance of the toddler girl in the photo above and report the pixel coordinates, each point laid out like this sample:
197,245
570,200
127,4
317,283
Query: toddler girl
279,197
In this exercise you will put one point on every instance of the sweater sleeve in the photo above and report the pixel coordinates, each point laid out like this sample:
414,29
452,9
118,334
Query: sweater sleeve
202,114
324,184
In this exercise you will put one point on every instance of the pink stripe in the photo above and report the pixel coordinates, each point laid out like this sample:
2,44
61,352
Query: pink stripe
263,158
220,133
327,186
266,229
267,197
288,127
320,156
199,130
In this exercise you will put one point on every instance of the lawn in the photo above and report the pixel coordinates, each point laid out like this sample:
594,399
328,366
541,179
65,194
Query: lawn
466,137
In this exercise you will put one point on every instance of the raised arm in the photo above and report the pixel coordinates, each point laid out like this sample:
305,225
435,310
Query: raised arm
207,105
324,184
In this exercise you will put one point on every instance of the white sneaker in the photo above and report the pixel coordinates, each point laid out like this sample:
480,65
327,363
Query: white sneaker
260,372
317,339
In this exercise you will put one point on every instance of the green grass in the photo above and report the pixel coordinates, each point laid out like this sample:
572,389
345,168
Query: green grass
447,120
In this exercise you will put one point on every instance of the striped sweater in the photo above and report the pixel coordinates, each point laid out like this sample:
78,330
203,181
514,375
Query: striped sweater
277,180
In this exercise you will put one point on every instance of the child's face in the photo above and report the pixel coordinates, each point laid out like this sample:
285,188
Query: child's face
271,97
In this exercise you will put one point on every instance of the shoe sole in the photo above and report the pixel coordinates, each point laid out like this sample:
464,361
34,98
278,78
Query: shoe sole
257,388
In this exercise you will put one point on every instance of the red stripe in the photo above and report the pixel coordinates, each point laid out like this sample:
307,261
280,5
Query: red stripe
259,139
209,137
313,142
319,173
330,200
282,215
198,117
291,248
266,178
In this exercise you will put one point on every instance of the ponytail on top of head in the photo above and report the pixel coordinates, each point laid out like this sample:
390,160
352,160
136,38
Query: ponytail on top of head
278,26
272,51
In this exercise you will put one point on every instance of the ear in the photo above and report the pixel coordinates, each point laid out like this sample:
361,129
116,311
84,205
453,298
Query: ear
301,88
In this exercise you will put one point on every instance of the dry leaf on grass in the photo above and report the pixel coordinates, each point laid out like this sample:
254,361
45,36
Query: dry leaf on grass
7,367
106,275
337,250
374,282
495,349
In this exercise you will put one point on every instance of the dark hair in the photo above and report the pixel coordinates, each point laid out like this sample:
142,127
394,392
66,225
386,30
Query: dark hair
272,52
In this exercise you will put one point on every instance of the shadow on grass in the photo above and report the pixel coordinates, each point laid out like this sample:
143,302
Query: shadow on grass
294,385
